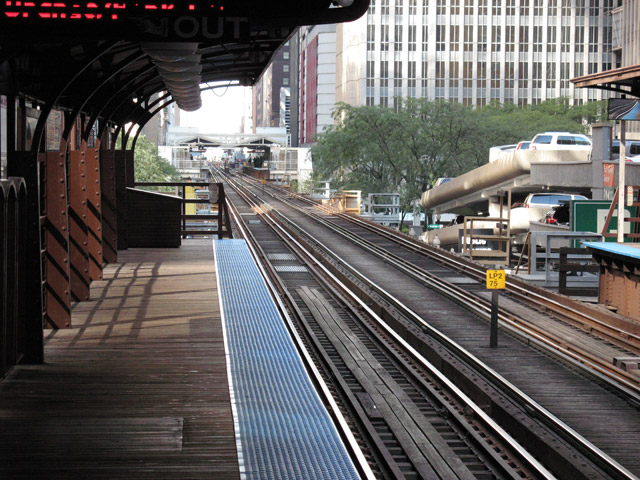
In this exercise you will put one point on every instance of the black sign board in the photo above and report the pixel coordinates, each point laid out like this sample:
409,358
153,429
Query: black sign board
163,20
624,109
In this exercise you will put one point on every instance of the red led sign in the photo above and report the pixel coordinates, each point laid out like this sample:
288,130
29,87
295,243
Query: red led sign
98,10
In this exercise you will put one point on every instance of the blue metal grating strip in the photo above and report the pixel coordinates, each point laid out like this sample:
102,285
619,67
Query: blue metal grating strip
283,429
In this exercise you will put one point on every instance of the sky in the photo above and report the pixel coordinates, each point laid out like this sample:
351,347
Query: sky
221,111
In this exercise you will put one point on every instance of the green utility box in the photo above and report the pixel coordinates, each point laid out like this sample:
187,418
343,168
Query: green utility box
591,215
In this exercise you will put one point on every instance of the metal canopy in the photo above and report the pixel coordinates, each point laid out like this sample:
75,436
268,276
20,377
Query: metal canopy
623,80
120,70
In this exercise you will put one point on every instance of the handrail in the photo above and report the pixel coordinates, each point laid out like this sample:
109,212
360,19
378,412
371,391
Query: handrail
215,196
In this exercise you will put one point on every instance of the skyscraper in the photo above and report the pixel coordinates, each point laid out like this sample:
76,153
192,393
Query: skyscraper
473,51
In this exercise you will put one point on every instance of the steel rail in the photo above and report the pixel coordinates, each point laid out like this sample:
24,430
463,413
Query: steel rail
629,384
479,413
562,306
362,463
604,461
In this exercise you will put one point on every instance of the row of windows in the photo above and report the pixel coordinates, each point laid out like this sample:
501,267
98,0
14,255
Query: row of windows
508,96
498,72
502,38
509,7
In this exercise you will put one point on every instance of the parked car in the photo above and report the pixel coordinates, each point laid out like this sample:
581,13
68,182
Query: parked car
632,151
560,141
550,199
496,152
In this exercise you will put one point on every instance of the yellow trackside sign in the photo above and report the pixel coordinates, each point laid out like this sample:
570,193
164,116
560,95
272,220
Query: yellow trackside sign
496,279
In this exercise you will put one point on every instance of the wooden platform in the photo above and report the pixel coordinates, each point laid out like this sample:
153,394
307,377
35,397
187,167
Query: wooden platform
137,388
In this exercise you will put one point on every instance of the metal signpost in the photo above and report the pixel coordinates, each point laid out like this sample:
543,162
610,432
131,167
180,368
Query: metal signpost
496,281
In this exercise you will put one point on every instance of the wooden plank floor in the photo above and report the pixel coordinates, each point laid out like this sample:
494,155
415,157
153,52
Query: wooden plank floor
137,388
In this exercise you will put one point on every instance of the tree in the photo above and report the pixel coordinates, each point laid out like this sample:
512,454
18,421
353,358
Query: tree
150,167
406,149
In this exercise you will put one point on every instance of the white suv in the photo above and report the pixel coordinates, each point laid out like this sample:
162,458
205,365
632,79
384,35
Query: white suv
549,200
560,141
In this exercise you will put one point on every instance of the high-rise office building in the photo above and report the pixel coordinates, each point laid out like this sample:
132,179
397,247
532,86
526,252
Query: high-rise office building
268,107
473,51
625,40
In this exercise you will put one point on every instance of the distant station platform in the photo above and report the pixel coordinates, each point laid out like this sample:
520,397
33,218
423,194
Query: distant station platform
283,430
619,276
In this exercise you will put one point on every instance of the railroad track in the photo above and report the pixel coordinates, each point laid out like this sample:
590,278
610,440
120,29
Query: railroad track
304,298
597,323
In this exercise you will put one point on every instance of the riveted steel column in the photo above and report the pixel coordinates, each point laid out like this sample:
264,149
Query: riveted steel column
57,290
78,238
94,212
108,199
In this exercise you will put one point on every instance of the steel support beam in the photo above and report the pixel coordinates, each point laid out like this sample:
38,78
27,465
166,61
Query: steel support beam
78,233
94,211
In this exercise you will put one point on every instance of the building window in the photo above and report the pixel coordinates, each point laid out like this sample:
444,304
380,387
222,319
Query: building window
523,74
397,80
482,7
413,7
524,39
441,7
411,82
384,79
496,7
425,38
537,38
439,75
398,8
384,7
510,38
495,75
551,75
468,7
565,38
536,75
371,37
384,37
537,8
511,7
412,38
285,68
495,40
593,39
454,38
468,38
482,75
564,75
482,38
455,7
440,37
551,38
509,75
397,46
552,8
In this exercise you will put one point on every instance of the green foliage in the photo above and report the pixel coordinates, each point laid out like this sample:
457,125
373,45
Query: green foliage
404,150
150,167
